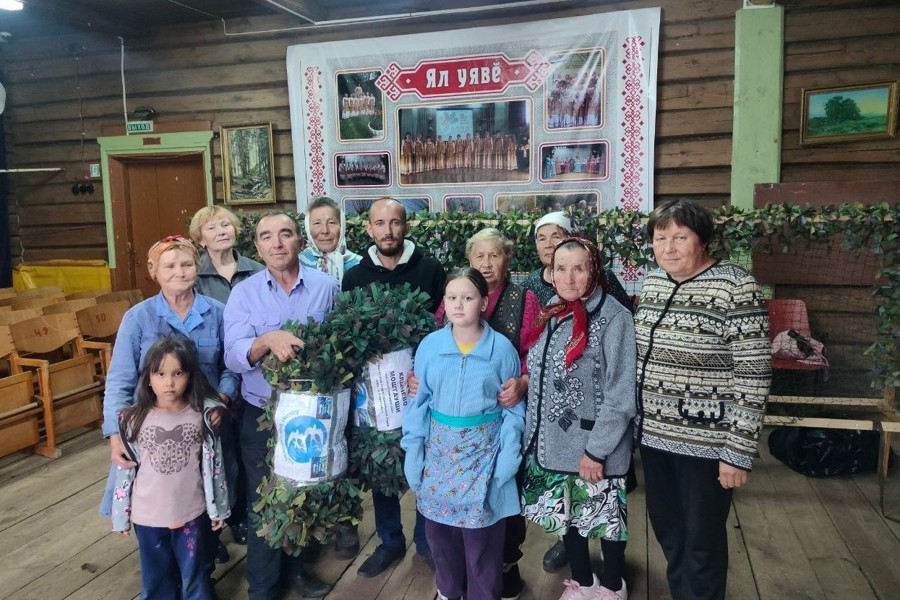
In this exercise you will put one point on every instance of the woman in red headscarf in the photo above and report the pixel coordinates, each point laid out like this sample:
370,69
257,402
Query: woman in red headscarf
579,425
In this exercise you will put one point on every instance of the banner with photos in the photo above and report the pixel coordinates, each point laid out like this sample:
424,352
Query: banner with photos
532,116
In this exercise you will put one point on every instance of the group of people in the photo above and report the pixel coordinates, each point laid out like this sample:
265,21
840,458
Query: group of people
483,151
358,103
572,102
556,166
368,168
526,404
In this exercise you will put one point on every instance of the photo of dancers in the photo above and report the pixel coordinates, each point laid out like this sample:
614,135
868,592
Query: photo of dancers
464,143
584,200
575,90
360,108
467,204
357,169
354,205
583,161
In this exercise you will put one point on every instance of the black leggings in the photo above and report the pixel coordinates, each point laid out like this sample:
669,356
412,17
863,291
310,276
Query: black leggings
580,560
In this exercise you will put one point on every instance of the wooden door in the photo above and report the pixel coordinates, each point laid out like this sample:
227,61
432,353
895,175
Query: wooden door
152,196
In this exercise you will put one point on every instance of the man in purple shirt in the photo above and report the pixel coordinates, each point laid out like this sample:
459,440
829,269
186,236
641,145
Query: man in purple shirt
256,310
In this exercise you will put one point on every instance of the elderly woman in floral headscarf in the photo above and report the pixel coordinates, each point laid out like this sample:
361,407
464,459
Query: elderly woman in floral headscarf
177,311
579,422
326,249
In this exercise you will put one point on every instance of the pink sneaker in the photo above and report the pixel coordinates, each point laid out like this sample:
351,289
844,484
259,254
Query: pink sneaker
575,591
607,594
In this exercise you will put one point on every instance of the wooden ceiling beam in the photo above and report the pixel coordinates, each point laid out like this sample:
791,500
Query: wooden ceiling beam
306,9
79,17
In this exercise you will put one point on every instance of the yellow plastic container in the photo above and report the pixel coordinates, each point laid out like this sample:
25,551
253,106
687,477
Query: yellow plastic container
72,275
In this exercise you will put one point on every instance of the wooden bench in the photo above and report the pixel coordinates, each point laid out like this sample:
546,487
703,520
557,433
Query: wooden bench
874,414
71,388
20,407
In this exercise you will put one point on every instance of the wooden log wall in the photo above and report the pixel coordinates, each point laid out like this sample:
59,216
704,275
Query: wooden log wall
63,91
835,284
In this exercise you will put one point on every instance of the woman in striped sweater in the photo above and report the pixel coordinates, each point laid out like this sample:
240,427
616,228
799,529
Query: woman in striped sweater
703,374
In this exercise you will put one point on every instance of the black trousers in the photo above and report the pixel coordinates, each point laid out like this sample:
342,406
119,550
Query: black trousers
688,509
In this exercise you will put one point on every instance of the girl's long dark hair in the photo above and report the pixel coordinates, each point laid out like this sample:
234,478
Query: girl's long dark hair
198,389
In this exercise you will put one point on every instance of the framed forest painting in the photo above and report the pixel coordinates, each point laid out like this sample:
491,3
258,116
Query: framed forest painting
247,160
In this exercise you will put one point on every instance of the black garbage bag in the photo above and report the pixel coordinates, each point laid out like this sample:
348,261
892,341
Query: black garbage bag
824,452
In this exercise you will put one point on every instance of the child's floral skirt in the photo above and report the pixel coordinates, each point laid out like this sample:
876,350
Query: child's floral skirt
558,501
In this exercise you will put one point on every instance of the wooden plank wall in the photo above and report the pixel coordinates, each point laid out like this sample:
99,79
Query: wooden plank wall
835,284
63,91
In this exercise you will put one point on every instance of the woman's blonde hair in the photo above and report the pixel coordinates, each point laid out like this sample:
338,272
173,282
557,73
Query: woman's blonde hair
490,234
207,214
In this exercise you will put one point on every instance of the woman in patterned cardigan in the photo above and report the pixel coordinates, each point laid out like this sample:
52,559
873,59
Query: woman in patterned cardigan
702,378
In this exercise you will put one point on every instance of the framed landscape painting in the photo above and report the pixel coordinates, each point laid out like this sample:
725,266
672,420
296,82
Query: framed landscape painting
849,113
248,162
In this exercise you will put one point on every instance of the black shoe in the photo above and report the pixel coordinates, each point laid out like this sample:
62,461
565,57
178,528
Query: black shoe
239,533
346,542
308,585
555,558
512,583
381,559
222,555
426,556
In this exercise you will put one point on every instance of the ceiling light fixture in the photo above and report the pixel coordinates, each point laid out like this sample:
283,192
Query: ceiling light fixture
10,5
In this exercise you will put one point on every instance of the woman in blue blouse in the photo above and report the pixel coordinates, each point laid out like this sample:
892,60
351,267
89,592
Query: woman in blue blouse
177,311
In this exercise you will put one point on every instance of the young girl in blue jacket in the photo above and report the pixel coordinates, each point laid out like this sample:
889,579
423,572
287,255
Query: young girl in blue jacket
177,495
462,448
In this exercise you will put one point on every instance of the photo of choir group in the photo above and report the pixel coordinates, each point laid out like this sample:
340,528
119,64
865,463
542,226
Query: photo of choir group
586,200
465,143
362,169
468,204
360,109
355,205
586,162
575,91
479,142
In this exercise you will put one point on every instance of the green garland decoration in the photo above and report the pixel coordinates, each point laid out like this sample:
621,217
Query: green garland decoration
364,324
376,460
776,228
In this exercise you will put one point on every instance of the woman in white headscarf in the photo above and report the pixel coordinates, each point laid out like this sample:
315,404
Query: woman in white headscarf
549,231
326,249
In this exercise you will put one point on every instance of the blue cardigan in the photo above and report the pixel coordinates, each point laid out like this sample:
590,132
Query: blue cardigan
463,386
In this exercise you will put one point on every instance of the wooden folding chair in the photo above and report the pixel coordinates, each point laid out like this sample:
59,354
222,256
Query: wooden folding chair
86,294
72,306
131,296
39,302
71,388
20,407
101,321
14,316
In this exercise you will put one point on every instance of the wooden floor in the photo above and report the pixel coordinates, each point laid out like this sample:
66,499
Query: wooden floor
790,538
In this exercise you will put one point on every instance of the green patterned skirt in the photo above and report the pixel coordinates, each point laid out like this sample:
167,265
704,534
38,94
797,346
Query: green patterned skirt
557,501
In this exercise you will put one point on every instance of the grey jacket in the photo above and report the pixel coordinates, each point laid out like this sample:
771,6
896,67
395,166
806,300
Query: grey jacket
590,407
210,283
215,487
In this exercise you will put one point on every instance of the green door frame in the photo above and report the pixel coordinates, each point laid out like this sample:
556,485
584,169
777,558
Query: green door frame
189,142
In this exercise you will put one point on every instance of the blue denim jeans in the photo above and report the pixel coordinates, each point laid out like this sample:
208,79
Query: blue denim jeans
389,527
174,561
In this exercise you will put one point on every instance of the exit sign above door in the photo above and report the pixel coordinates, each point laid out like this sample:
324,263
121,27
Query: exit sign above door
139,127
